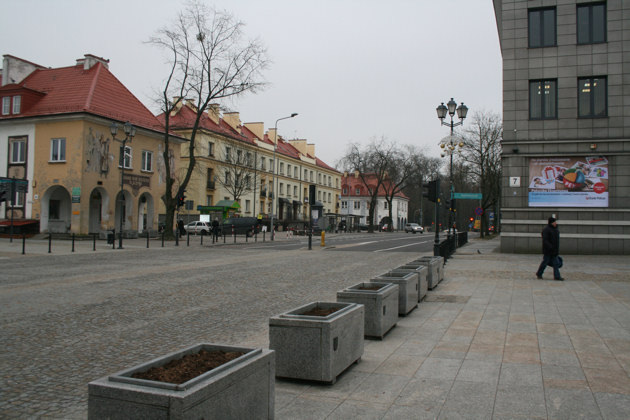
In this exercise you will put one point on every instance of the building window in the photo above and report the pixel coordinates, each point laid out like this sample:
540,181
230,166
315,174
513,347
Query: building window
248,206
344,204
288,170
6,105
210,148
591,23
262,163
329,198
357,205
592,97
58,150
542,27
295,172
17,150
228,154
281,168
344,191
543,101
281,188
295,192
147,161
270,165
17,101
208,200
385,205
357,191
228,178
125,158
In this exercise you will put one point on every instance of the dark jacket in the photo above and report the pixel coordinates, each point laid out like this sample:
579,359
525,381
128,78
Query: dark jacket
551,240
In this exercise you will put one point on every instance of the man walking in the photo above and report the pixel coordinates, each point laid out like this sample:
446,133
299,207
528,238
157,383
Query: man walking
551,249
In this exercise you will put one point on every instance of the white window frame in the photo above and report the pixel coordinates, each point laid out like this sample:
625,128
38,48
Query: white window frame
21,150
357,205
147,161
6,105
125,160
58,149
17,104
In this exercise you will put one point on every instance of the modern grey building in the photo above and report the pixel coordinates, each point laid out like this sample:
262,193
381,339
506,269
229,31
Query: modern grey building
566,115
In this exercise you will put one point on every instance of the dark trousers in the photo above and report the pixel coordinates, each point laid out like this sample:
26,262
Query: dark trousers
545,262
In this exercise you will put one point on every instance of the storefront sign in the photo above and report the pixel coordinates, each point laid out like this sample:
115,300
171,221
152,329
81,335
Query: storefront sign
568,182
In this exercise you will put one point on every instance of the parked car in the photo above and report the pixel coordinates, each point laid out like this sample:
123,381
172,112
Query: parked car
198,227
413,228
241,225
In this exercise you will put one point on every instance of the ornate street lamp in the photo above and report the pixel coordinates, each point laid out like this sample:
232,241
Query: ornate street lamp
130,132
450,143
273,173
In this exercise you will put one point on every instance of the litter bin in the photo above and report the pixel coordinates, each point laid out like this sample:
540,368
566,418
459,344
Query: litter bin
110,238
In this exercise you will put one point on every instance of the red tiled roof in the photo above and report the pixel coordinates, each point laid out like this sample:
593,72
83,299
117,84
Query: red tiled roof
351,182
96,91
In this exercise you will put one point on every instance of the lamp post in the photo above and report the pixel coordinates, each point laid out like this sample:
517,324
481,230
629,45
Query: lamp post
449,145
130,132
273,173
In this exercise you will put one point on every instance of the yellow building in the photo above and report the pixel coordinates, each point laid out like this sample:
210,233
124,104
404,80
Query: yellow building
57,129
235,162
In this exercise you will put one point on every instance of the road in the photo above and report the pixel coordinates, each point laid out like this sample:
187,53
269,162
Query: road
67,319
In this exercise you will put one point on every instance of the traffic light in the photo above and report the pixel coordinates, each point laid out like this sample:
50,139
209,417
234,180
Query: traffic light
453,205
432,190
180,200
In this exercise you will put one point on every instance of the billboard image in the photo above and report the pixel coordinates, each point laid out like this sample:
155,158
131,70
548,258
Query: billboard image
568,182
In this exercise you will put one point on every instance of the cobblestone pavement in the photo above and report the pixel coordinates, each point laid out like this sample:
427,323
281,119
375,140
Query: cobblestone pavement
490,341
70,319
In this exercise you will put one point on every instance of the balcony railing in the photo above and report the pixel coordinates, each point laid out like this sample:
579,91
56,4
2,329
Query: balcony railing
210,185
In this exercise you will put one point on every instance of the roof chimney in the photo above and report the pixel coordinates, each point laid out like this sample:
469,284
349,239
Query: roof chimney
310,148
272,135
90,60
233,120
178,103
214,112
257,128
300,145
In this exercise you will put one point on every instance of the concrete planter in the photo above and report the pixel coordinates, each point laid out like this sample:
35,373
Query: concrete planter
422,276
436,269
381,306
317,348
242,388
407,289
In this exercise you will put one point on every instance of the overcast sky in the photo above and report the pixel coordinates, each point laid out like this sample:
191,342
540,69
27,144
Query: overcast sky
353,70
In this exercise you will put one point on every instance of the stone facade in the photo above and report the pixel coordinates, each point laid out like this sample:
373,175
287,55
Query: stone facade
581,68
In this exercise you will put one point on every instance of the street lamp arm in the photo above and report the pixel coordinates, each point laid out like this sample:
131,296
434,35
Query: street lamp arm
452,124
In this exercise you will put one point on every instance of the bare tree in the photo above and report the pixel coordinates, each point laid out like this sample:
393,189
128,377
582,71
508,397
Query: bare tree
239,171
428,169
372,163
482,155
209,60
402,169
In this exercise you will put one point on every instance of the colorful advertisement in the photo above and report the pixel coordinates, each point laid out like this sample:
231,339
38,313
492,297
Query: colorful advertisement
568,182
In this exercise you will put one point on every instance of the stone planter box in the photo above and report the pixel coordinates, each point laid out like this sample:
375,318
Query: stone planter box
317,348
241,388
435,266
381,306
422,271
407,289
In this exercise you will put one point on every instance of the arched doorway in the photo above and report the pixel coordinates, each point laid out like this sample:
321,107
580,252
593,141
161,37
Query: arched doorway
124,202
146,211
99,203
56,211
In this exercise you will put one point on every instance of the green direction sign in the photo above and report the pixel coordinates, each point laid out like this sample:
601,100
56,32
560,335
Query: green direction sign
468,196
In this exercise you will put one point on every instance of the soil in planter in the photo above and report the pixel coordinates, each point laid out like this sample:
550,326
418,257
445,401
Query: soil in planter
369,287
320,311
188,367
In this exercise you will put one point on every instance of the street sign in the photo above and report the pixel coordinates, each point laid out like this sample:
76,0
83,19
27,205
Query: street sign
478,211
468,196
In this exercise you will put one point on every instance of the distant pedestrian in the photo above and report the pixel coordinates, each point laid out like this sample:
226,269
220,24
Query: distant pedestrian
180,228
215,229
551,249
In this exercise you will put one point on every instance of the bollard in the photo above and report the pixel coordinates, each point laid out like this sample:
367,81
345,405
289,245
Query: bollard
23,243
187,238
147,238
323,240
177,238
73,242
310,240
162,239
114,238
264,232
49,242
94,242
202,239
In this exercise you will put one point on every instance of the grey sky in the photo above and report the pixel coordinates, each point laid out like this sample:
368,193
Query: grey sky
353,70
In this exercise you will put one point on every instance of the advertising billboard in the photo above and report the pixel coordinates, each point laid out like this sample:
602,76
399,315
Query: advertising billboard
568,182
